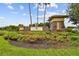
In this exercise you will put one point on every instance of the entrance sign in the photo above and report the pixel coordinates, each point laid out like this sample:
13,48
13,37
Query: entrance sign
57,22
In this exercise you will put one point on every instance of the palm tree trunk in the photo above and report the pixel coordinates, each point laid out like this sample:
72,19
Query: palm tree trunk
45,13
37,15
30,15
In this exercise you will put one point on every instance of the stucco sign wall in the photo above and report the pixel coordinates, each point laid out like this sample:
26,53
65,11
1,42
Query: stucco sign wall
36,29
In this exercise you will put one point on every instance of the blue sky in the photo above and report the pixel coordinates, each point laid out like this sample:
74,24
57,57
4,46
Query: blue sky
18,13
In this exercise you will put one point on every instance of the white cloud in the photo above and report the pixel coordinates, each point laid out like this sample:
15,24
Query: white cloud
41,17
41,7
67,23
53,5
50,14
10,7
1,17
24,14
21,7
35,5
48,5
64,12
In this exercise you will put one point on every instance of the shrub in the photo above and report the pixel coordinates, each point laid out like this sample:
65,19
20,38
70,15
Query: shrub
34,38
60,39
19,37
47,37
73,38
10,28
2,33
6,37
73,41
68,29
11,36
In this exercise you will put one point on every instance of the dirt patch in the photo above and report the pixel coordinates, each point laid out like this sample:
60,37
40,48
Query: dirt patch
37,45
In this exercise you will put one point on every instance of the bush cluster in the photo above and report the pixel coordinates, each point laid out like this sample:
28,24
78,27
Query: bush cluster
43,37
36,36
2,33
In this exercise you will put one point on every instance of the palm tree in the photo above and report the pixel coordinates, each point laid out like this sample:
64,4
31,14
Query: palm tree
45,6
37,14
30,15
38,4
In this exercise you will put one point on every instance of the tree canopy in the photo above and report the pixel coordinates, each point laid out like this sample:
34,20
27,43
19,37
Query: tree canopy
41,24
73,12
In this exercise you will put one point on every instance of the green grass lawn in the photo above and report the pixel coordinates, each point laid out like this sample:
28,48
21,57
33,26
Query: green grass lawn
8,50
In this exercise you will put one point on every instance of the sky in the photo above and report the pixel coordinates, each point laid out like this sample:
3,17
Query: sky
18,13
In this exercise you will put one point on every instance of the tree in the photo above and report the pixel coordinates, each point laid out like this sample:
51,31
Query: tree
10,28
37,14
38,4
73,12
42,24
45,4
30,14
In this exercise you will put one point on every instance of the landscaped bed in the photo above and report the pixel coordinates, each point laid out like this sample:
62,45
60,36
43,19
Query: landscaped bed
43,40
7,49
